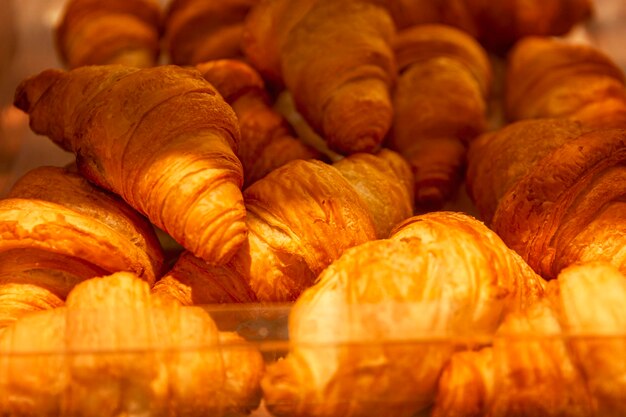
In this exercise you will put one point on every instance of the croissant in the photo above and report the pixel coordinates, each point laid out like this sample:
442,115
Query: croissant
266,138
162,138
369,338
554,193
440,106
301,217
131,355
93,32
548,78
334,83
338,64
496,25
559,358
58,230
199,31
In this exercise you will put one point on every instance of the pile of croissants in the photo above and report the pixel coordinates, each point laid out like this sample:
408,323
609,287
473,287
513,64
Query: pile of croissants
307,152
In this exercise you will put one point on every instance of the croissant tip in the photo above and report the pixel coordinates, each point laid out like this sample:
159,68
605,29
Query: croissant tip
21,100
430,198
30,90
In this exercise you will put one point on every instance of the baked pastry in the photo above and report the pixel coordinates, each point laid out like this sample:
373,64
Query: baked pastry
58,230
496,25
549,78
93,32
266,138
198,30
440,105
338,64
301,217
113,350
336,60
558,358
162,138
553,192
372,336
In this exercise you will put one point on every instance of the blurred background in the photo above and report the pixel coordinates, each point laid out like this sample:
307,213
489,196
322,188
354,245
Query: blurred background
27,47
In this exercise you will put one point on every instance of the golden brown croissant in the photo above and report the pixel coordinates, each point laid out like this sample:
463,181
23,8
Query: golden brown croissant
94,32
552,78
115,351
301,217
371,337
266,138
58,230
561,357
161,137
497,25
439,106
199,30
334,83
552,192
338,64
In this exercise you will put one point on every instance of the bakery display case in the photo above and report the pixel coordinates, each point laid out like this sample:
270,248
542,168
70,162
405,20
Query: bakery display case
312,208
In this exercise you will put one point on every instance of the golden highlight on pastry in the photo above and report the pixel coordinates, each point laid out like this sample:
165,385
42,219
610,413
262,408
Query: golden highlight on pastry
267,141
116,351
301,217
372,336
95,32
57,230
554,193
199,30
162,138
561,357
440,105
549,77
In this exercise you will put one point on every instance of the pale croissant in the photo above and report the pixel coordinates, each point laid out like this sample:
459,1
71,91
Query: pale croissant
113,350
562,357
371,337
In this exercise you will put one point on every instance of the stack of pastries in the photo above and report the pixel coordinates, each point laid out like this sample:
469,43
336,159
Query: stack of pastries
399,302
